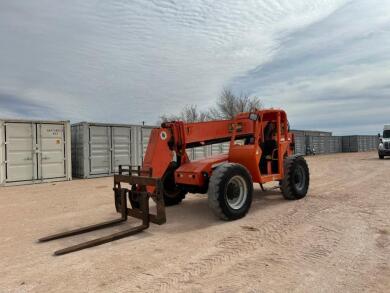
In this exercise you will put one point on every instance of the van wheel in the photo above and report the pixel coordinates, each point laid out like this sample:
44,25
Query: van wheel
230,191
295,183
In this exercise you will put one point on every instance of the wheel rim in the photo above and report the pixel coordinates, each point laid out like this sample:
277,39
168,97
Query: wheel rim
299,178
236,192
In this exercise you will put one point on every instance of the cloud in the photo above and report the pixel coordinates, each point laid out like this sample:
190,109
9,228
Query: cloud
334,74
130,61
15,107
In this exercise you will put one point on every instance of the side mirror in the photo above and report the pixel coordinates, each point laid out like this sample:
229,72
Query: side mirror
379,135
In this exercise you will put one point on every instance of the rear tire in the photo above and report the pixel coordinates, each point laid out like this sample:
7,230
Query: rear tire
230,191
295,183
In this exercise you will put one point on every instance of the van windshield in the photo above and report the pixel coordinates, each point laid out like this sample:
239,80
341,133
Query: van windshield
386,134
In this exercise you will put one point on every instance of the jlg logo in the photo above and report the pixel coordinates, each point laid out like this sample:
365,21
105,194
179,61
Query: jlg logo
163,135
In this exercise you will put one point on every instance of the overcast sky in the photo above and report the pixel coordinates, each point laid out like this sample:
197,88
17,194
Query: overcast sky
325,62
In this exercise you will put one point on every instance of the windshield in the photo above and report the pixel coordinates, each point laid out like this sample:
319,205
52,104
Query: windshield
386,134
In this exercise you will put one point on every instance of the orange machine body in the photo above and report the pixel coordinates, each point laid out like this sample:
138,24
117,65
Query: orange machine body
247,139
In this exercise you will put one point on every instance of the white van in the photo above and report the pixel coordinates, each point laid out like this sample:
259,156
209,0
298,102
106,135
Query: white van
384,142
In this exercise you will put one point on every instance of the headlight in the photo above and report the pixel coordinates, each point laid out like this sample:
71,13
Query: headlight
381,146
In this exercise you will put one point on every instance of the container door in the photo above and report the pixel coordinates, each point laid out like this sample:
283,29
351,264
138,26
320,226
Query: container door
145,133
121,147
20,152
99,150
199,153
51,155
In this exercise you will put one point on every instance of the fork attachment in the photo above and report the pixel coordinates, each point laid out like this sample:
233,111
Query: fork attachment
139,198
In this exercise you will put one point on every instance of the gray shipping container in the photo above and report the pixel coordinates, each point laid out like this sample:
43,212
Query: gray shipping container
300,144
324,144
311,133
207,151
360,143
33,151
98,148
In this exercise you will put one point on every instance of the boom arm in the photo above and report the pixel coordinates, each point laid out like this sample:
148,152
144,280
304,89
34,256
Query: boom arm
176,137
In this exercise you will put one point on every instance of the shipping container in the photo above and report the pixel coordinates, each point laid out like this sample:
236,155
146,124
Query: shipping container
311,133
33,151
202,152
323,144
300,144
360,143
99,148
335,144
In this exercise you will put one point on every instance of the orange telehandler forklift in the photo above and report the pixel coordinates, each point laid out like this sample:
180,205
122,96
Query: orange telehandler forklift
261,151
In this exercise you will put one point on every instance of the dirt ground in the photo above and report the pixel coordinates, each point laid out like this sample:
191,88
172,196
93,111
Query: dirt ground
337,239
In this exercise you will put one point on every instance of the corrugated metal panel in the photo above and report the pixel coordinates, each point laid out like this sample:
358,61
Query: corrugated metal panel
298,132
52,151
145,131
121,147
216,149
335,144
300,144
360,143
311,132
34,151
78,150
225,147
98,148
20,151
200,152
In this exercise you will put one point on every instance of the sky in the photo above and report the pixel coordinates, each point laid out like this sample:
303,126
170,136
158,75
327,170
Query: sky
325,62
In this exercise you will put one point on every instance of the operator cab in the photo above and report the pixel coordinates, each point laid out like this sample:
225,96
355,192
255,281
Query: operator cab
269,149
265,144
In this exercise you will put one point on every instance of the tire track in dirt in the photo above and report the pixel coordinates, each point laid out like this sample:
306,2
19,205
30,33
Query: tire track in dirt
273,231
279,255
230,248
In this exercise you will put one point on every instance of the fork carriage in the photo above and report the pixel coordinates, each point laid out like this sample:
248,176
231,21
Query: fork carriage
138,197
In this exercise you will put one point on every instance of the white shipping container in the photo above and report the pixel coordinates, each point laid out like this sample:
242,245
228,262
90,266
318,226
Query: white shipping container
99,148
34,151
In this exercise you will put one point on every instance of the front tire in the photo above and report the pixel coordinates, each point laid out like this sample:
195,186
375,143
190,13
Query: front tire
295,183
172,194
230,191
381,157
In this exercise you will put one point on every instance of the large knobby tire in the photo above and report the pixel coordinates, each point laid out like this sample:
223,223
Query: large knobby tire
295,183
230,191
172,194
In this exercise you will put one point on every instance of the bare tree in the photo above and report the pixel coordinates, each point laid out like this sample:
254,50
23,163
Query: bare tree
227,107
190,113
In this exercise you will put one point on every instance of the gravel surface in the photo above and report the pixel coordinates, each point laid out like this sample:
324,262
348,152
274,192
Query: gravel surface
337,239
